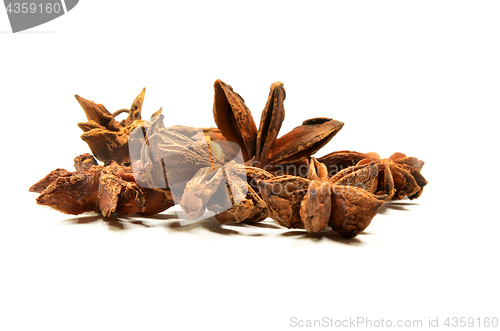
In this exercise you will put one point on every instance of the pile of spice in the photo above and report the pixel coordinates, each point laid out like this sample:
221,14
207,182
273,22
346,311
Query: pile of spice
239,172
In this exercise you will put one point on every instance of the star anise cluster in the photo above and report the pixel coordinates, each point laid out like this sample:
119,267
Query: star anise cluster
238,172
318,201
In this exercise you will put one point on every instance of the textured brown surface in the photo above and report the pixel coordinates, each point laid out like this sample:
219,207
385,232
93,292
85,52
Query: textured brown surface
343,190
413,162
296,168
284,196
352,209
365,176
271,119
401,177
262,147
251,209
234,119
199,190
42,184
171,158
341,160
245,204
318,201
84,162
107,138
74,194
303,141
316,207
98,188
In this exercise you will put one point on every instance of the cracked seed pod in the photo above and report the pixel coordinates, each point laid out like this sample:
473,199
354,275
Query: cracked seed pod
171,159
107,138
316,207
223,189
111,140
316,202
236,201
398,177
199,191
102,189
337,161
403,171
373,177
251,209
352,209
303,141
284,195
236,123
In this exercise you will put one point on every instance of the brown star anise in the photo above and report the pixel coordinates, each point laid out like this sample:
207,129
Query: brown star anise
205,177
202,175
337,161
170,159
262,147
110,140
223,169
107,138
239,208
316,202
102,189
405,173
223,189
397,177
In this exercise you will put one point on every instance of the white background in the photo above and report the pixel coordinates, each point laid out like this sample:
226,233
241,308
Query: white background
419,77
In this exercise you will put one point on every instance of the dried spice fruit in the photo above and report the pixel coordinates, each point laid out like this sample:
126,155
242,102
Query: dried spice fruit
200,170
297,202
235,200
262,147
250,209
295,168
42,184
373,177
200,190
341,160
170,159
284,195
98,188
110,140
352,209
316,207
398,176
107,138
403,172
224,189
200,175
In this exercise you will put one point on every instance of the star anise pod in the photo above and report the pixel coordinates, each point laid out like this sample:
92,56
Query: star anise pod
170,159
226,192
405,173
316,202
262,146
239,207
398,176
315,209
110,140
374,177
107,138
102,189
202,175
340,160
